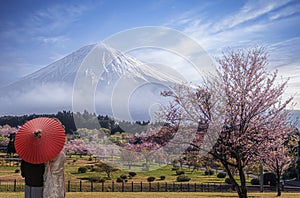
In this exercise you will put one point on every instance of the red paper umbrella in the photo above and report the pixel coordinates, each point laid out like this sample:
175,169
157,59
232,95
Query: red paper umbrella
40,140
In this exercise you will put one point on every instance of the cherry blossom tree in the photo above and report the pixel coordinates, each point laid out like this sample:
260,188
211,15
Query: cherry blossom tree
150,142
76,146
6,130
7,134
129,157
281,155
254,108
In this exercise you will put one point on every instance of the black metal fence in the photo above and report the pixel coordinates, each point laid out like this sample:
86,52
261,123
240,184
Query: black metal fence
85,186
144,187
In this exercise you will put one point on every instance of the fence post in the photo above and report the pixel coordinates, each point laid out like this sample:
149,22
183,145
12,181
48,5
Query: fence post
195,187
173,186
122,186
80,186
69,184
131,186
188,186
141,186
92,186
158,187
102,186
15,185
166,187
181,189
113,186
149,186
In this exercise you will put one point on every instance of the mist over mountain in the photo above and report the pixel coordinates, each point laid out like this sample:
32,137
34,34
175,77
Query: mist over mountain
51,88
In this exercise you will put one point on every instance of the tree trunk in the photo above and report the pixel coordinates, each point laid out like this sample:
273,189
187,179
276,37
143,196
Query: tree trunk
241,192
278,191
278,173
278,184
243,183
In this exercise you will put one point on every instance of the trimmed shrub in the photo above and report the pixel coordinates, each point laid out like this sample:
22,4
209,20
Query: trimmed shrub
96,179
209,172
290,173
255,181
227,181
123,177
270,179
132,174
175,168
221,175
102,180
82,169
150,179
162,177
182,178
119,180
179,172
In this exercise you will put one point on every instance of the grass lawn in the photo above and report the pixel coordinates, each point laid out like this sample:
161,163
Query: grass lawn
72,165
71,173
159,195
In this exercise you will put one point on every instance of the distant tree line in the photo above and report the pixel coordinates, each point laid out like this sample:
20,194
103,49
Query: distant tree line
86,119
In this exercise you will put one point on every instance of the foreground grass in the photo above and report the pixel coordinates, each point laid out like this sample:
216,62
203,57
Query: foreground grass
71,173
73,163
158,194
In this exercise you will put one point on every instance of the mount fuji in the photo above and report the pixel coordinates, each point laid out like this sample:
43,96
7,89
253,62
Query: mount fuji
51,88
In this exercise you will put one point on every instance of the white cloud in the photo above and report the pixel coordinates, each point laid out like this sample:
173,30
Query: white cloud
285,12
55,18
52,39
52,20
250,11
255,23
46,98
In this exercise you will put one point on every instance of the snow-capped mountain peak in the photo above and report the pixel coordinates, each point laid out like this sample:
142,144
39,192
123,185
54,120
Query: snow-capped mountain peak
50,89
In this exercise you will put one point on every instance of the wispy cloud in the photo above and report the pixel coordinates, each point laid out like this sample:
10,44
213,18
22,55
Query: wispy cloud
285,12
46,25
55,18
48,28
52,39
266,23
233,29
250,11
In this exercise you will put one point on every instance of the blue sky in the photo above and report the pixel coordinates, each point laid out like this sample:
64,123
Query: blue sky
34,34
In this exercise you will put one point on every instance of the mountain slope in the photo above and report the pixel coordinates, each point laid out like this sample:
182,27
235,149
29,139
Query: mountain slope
50,89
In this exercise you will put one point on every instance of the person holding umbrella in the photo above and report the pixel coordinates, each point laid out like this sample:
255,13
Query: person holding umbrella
33,174
38,141
54,181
